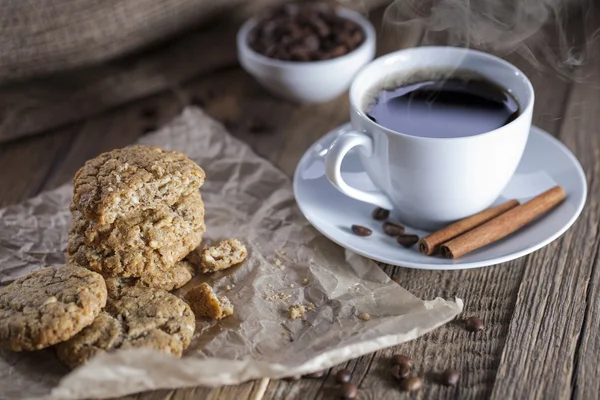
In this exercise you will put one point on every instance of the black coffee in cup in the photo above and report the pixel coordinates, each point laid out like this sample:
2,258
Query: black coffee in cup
441,104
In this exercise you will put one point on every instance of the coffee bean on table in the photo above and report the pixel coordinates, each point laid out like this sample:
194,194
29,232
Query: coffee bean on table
361,230
343,375
315,375
411,384
400,359
348,390
474,324
392,229
407,240
400,371
380,213
449,377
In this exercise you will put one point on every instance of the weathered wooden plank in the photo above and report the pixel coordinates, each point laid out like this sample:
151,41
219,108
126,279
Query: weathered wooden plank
553,334
580,133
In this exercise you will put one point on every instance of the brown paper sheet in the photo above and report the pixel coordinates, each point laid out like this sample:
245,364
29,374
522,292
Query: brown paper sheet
248,198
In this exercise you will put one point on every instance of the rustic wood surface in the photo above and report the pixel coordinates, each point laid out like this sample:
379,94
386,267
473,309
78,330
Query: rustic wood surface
541,311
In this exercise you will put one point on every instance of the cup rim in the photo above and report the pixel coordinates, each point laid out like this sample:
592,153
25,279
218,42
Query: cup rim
356,107
365,24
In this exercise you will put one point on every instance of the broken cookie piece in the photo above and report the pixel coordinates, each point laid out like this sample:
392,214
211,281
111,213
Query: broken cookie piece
222,256
297,311
205,303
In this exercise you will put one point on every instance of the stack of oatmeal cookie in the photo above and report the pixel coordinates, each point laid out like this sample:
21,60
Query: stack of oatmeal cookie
137,216
137,213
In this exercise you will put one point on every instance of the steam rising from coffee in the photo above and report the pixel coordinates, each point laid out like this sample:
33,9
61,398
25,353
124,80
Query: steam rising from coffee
550,34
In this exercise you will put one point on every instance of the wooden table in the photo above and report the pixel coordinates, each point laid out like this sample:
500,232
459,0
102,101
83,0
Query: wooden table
542,311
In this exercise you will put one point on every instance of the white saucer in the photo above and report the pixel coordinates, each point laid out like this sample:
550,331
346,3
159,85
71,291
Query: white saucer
545,163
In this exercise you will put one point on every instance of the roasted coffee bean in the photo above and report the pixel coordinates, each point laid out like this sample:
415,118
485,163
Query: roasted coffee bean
392,229
343,375
361,230
407,240
311,43
305,32
293,378
411,384
315,375
338,51
474,324
450,377
348,390
401,359
380,214
400,371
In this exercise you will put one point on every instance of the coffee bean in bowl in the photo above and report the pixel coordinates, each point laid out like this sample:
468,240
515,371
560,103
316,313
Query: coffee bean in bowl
305,32
306,52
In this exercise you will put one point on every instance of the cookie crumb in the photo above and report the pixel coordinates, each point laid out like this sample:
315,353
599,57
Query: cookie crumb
223,255
305,282
310,306
292,285
283,252
296,311
278,264
228,287
205,303
365,316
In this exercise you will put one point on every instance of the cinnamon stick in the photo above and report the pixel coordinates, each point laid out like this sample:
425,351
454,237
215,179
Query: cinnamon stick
504,224
429,244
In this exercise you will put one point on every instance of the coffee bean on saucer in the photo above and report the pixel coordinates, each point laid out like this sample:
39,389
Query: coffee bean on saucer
449,377
293,378
401,359
411,384
407,240
392,229
400,371
348,390
380,213
315,375
343,375
474,324
361,230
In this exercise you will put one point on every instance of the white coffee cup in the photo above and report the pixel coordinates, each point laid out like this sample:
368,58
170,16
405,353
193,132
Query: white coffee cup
430,182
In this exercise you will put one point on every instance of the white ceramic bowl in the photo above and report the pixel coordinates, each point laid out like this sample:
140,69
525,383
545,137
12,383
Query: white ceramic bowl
309,81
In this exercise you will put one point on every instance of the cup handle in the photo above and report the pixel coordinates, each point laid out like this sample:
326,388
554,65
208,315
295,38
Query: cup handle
333,162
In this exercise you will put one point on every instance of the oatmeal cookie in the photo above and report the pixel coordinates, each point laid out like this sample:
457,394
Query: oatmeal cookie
122,182
205,303
147,245
48,306
134,317
181,273
222,256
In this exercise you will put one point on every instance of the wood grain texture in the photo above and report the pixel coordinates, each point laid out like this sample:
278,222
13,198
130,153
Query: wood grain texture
541,311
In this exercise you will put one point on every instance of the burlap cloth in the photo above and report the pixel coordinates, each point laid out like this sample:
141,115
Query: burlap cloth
65,60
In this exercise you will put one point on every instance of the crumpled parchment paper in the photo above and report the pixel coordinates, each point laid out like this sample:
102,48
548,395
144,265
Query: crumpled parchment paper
248,198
